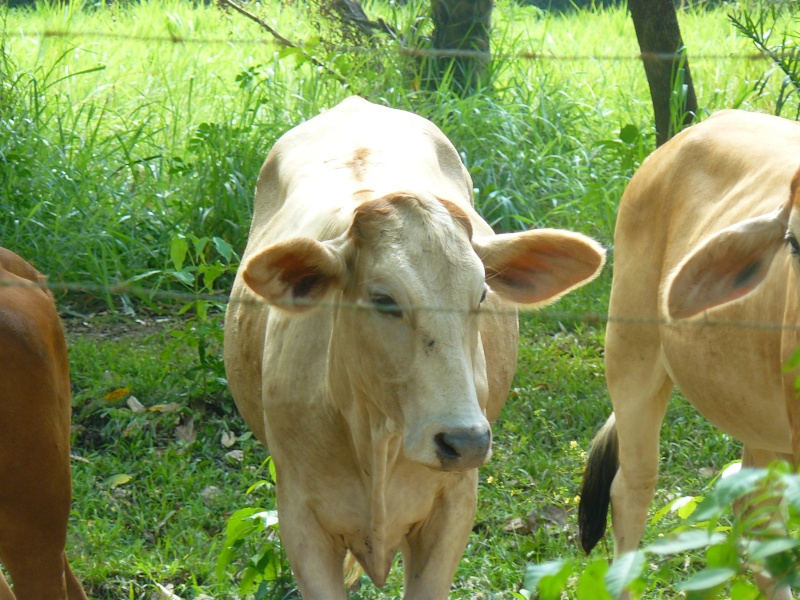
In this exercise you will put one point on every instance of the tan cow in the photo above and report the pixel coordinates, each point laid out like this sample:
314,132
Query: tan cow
710,217
35,408
375,405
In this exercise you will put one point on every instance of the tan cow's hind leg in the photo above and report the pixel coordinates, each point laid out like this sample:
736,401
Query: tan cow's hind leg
761,459
639,388
433,551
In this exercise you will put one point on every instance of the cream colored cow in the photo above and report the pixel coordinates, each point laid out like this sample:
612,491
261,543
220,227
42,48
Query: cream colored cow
35,410
376,403
708,226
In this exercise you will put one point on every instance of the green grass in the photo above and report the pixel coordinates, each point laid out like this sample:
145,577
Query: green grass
145,121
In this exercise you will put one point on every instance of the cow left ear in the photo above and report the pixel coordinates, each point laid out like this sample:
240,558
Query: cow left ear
726,266
536,267
296,273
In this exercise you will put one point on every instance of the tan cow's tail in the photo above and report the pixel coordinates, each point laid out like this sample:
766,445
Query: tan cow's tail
595,493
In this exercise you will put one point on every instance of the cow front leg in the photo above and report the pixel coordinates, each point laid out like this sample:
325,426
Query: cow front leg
432,551
316,558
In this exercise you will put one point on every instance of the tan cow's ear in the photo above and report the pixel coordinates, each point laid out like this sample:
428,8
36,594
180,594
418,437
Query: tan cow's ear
537,267
296,273
726,266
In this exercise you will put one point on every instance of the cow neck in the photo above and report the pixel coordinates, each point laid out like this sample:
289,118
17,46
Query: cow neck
376,443
377,513
378,447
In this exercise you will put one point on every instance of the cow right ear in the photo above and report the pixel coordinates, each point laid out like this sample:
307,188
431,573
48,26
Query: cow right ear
297,273
726,266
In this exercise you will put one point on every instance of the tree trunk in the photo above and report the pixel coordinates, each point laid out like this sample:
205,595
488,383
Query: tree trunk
665,64
462,25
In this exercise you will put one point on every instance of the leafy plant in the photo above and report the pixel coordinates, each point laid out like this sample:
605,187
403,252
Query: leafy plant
761,27
763,537
192,265
251,540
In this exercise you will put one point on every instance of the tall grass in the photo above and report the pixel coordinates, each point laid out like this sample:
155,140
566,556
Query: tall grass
128,123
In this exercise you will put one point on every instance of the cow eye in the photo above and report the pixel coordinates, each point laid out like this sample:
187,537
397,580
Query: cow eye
794,245
386,305
483,296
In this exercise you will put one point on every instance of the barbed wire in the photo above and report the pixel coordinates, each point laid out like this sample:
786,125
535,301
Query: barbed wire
545,313
412,52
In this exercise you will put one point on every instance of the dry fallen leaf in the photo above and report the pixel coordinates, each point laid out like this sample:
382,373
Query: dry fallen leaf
116,395
210,494
516,525
235,455
164,593
165,408
134,404
228,439
185,431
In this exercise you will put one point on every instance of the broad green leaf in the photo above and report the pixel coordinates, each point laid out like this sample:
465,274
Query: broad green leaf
258,485
707,579
177,251
624,571
591,585
268,518
534,574
186,307
722,555
185,276
200,245
685,506
671,507
686,540
224,248
629,134
726,491
745,590
791,491
758,550
210,274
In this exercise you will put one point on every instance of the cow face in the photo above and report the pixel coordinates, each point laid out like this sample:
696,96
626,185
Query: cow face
735,260
410,280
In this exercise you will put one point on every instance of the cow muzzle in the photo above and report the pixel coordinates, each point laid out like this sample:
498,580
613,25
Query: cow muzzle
462,448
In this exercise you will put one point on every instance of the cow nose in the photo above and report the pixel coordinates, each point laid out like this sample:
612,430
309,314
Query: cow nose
463,448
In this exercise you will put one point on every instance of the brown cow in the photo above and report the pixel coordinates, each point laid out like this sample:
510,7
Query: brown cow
709,218
35,408
376,404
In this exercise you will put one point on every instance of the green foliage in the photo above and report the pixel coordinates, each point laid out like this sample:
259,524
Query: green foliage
761,25
200,264
251,540
764,536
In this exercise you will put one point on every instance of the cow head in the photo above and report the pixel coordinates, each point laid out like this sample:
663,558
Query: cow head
734,261
407,282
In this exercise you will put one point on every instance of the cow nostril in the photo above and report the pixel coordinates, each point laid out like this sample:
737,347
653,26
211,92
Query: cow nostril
463,448
445,450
